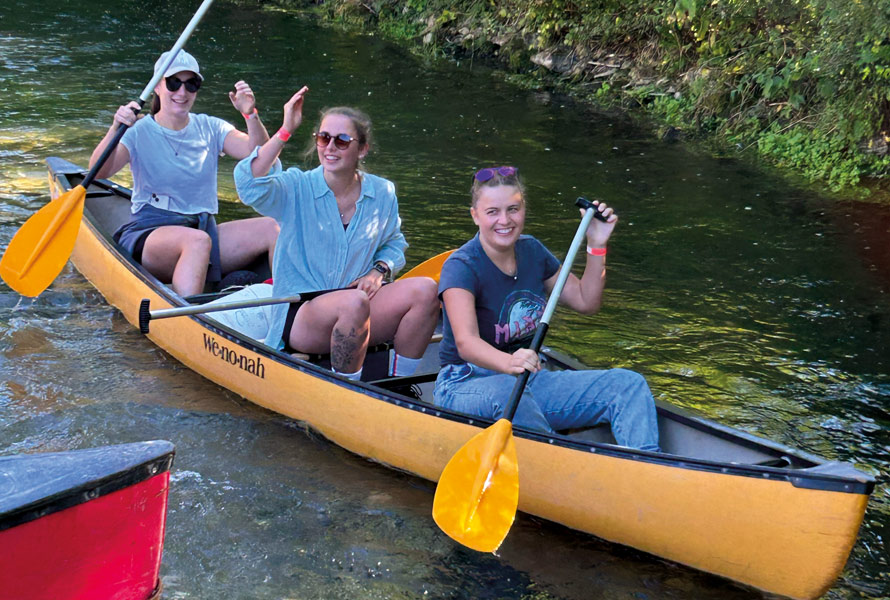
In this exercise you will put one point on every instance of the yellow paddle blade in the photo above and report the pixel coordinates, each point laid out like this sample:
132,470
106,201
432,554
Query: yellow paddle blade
478,491
431,267
42,246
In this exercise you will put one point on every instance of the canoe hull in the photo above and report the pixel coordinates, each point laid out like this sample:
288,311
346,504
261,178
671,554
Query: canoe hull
96,540
758,529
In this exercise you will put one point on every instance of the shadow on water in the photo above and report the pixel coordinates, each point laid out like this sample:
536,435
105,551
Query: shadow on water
738,296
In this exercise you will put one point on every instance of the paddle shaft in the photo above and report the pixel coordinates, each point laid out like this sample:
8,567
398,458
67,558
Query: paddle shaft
146,315
143,98
544,325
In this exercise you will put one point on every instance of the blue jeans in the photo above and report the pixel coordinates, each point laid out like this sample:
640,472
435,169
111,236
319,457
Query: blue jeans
556,400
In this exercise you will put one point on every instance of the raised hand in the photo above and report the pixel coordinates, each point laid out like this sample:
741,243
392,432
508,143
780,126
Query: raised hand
293,110
598,232
242,98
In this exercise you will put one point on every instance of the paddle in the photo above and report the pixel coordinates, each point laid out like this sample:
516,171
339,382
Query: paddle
478,491
42,246
431,267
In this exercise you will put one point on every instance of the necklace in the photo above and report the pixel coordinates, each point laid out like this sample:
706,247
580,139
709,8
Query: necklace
343,211
515,273
169,143
175,149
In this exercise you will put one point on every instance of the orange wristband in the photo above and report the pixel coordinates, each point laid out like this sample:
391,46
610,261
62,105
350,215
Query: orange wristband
596,251
283,134
250,115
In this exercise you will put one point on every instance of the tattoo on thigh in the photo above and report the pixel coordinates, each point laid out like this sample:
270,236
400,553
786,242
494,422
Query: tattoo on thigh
344,348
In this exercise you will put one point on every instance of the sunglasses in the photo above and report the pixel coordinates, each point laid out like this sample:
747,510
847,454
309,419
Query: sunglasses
483,175
192,85
342,141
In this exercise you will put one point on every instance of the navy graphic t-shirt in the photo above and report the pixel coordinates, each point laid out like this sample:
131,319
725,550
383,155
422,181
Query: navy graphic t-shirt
508,309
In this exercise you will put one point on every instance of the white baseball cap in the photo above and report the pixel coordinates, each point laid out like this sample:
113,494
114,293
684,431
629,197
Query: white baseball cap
183,62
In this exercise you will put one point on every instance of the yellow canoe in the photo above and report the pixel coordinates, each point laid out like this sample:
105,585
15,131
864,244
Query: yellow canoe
717,499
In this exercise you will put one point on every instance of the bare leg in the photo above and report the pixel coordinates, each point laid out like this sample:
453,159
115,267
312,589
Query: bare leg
406,312
242,241
337,323
180,255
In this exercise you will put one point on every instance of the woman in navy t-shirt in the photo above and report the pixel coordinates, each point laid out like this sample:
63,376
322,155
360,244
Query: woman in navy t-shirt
494,289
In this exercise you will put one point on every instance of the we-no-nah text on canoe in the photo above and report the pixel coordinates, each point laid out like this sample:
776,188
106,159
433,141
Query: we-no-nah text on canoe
254,366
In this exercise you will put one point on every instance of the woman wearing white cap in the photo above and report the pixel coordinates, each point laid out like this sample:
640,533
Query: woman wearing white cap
173,155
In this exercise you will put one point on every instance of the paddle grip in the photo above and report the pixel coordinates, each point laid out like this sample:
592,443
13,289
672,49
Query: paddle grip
583,202
85,184
144,316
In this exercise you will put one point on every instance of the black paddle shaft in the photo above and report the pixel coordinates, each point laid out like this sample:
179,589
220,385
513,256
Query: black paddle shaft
522,378
544,325
109,149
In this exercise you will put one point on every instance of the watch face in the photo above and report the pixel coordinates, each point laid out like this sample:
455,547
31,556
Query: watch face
381,268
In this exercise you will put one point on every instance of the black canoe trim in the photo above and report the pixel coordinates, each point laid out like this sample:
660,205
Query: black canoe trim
826,476
822,475
36,485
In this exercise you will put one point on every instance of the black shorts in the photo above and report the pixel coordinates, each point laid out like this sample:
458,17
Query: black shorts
139,246
288,325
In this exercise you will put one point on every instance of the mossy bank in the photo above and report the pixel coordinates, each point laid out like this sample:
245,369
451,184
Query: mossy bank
802,84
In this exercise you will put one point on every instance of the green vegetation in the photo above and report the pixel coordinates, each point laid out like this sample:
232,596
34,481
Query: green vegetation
804,83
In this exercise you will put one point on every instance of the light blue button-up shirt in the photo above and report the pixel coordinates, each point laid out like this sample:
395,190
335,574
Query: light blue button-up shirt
314,252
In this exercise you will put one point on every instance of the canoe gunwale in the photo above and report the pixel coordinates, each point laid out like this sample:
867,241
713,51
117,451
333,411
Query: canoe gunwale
843,480
158,460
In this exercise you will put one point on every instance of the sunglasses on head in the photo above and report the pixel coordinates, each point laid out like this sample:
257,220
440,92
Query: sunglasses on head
342,141
483,175
192,84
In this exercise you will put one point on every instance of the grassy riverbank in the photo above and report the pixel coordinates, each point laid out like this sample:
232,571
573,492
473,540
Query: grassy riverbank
804,84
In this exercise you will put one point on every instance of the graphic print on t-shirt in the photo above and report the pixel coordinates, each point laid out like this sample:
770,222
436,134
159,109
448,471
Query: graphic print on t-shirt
520,313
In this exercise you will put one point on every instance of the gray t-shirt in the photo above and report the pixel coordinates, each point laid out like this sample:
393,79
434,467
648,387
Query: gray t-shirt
176,170
508,309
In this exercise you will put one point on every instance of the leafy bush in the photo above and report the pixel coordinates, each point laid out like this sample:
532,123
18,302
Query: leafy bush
805,82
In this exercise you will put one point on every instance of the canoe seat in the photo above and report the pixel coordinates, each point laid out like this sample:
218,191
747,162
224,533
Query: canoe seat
376,361
412,386
601,433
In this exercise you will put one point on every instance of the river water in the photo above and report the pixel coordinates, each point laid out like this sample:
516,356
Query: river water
740,296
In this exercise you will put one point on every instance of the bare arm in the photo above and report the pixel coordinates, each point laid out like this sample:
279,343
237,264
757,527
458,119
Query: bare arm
237,143
460,304
268,154
120,156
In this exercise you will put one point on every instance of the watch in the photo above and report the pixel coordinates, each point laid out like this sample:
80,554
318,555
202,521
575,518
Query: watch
382,268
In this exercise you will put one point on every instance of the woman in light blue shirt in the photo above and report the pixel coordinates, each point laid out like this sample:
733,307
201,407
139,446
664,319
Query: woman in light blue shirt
173,155
340,228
